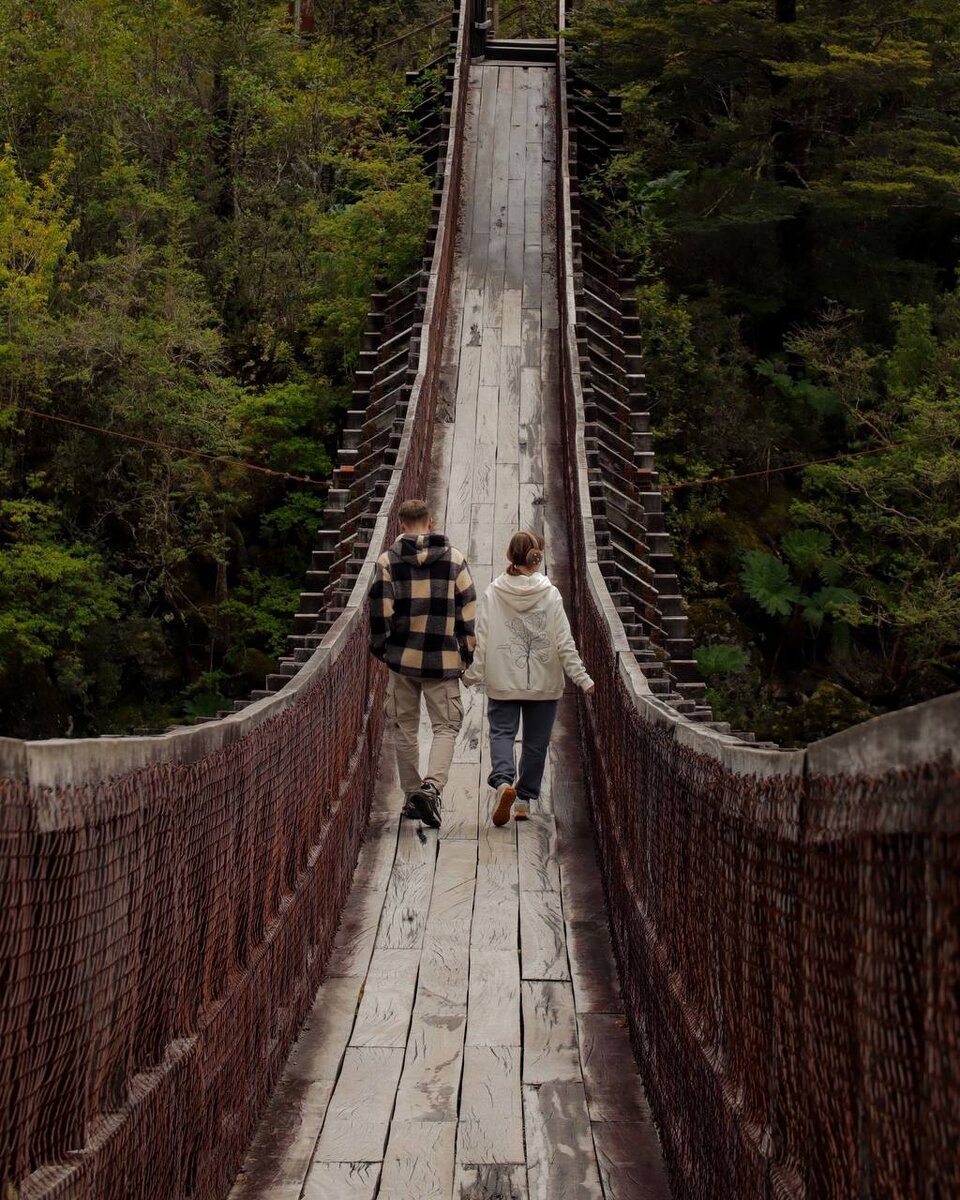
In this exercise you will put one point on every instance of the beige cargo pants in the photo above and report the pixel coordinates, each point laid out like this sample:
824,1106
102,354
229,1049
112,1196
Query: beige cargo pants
445,710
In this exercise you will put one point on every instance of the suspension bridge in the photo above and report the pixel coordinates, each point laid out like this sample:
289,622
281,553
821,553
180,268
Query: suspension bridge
706,967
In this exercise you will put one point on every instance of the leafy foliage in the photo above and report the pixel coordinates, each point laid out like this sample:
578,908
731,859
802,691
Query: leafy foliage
194,204
790,193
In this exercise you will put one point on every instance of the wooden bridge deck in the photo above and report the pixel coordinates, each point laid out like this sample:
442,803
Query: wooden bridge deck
469,1042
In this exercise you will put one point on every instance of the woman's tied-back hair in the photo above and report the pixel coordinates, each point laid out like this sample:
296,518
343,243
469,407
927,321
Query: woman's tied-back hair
525,550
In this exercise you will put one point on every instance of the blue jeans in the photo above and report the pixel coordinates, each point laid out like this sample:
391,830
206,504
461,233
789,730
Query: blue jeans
504,719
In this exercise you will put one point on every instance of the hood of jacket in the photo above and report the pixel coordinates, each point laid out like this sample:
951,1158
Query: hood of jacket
521,592
419,549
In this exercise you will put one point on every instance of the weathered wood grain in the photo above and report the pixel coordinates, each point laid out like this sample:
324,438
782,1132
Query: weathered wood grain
537,849
593,967
491,1106
358,1116
460,800
631,1161
383,1018
493,1007
430,1080
375,861
497,1181
408,892
612,1082
419,1161
357,933
342,1181
561,1161
550,1050
496,908
542,936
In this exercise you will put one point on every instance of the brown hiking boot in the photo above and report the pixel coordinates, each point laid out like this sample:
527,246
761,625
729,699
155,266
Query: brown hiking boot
506,794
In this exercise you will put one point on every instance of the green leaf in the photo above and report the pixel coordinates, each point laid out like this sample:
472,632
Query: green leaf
720,660
766,579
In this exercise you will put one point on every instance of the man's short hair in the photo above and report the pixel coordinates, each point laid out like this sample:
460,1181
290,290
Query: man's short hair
414,512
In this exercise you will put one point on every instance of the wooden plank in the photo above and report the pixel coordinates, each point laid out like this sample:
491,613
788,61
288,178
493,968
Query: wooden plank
491,1181
444,967
383,1018
533,259
358,1116
493,1009
479,196
531,506
320,1046
550,1050
357,933
488,405
472,319
511,321
610,1077
468,382
530,364
484,469
375,861
342,1181
631,1161
451,905
542,936
277,1162
419,1161
561,1163
491,1106
496,908
506,509
490,358
460,796
593,968
516,209
430,1081
582,887
537,847
508,418
481,533
408,893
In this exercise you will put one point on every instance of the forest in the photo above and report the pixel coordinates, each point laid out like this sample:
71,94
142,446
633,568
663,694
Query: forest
195,203
196,199
790,195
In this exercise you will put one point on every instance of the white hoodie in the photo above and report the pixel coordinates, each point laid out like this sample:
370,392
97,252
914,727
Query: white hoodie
524,643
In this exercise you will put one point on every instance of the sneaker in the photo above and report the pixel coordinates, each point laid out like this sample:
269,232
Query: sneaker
521,810
506,794
426,800
409,811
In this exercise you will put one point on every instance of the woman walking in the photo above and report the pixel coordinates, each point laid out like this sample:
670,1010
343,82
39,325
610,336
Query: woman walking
524,646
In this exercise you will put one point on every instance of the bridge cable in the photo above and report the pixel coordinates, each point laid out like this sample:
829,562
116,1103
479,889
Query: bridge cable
813,462
142,441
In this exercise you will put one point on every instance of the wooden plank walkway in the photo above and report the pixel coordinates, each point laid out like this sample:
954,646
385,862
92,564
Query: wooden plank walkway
469,1041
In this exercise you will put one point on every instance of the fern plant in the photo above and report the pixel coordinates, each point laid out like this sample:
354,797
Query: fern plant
813,583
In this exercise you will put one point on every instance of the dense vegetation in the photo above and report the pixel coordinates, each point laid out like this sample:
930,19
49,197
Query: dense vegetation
194,205
791,194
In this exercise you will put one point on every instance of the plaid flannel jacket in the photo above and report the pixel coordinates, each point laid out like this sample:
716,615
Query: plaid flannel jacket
422,608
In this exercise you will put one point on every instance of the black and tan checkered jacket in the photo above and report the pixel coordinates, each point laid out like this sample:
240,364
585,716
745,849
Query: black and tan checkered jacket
422,608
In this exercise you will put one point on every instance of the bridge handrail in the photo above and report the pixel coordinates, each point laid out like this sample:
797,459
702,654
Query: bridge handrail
785,921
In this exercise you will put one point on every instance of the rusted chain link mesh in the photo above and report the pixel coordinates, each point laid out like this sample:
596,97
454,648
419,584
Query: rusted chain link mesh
789,948
163,933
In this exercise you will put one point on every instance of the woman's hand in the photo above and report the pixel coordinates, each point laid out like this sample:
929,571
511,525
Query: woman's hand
590,690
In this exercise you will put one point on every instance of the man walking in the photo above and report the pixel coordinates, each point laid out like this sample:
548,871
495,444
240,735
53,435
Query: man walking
422,609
